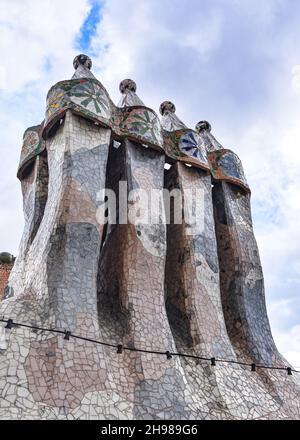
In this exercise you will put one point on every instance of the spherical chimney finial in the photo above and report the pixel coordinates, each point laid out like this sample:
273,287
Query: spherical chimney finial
6,257
203,125
167,106
127,84
82,59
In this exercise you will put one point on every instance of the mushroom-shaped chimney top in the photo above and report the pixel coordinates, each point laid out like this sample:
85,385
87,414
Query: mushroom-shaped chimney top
167,106
82,65
169,120
129,97
127,85
6,258
210,142
82,60
203,125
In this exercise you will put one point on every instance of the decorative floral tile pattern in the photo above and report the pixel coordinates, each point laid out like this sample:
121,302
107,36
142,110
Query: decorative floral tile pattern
141,122
185,145
91,96
190,144
226,165
55,102
33,144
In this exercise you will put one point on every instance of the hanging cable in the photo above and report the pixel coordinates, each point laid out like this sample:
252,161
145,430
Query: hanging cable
10,324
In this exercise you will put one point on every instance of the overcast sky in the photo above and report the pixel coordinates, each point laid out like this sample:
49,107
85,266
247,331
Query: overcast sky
235,63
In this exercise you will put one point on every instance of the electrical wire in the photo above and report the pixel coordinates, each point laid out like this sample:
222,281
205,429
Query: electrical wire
10,324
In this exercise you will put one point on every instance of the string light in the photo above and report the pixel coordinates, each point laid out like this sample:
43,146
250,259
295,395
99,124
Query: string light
168,354
9,324
67,335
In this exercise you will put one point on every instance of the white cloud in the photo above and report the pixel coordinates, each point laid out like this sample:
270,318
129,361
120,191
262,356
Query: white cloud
33,32
296,78
205,36
265,13
143,39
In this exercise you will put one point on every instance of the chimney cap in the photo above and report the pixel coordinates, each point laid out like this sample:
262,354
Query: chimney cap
167,106
6,257
203,125
127,84
82,59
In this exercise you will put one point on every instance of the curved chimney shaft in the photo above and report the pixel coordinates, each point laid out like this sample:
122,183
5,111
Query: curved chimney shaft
241,276
131,273
192,269
69,236
129,97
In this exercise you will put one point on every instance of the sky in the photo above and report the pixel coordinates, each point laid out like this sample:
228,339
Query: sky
234,63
